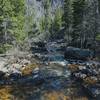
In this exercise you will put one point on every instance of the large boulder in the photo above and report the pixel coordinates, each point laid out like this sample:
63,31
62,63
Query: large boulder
77,53
40,44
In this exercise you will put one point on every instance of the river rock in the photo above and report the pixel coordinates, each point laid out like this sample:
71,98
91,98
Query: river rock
82,67
2,74
15,76
25,62
80,75
40,44
2,64
16,66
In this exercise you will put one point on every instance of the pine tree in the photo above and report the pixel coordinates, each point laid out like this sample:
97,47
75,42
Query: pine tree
67,18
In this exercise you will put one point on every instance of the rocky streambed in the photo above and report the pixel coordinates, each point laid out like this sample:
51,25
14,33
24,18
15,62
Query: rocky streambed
48,75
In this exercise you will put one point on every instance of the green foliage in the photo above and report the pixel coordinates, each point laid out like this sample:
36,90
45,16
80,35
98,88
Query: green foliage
6,9
98,37
12,12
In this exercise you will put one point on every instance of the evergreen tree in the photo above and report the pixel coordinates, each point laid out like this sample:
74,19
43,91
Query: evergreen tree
67,18
56,23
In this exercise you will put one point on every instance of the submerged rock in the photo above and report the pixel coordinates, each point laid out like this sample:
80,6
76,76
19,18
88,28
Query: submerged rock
93,90
77,53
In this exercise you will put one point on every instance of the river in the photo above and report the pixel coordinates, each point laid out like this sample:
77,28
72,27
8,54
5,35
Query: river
56,82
